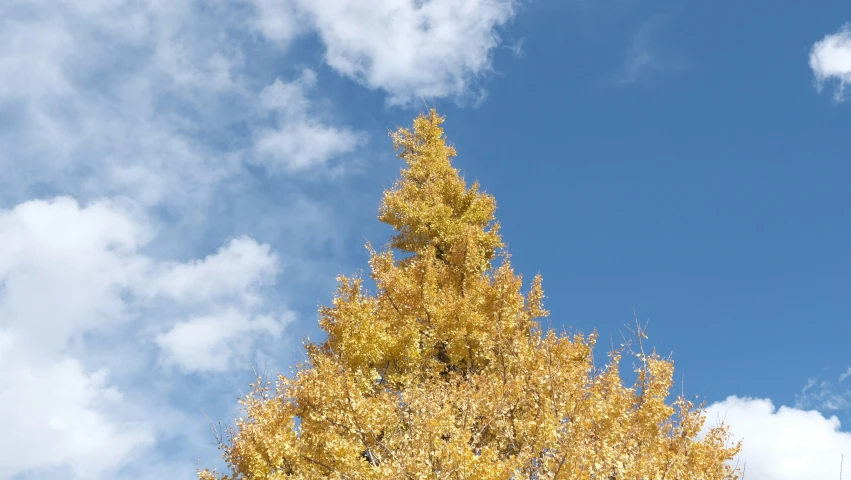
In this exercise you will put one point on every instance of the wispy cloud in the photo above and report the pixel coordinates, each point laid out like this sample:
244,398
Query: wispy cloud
516,48
647,54
640,56
824,395
87,84
134,99
830,60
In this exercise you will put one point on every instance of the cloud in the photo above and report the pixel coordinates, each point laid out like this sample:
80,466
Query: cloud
278,20
139,99
516,48
785,443
227,286
235,270
640,56
211,343
64,269
408,48
830,60
647,54
299,140
824,395
86,81
70,273
55,414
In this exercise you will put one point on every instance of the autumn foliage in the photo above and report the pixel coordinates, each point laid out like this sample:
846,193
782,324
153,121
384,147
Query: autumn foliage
445,371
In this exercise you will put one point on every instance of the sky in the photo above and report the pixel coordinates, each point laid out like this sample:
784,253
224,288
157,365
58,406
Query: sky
181,181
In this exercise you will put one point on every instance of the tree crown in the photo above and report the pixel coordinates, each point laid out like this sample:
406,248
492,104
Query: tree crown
445,372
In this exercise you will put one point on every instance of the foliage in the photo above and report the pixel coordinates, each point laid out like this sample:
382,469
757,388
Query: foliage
445,371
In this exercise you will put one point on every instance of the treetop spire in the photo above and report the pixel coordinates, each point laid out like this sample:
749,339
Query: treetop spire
431,207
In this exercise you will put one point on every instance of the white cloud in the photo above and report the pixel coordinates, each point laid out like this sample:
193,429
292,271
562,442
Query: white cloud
211,343
830,60
408,48
55,415
84,84
63,269
785,443
299,140
235,270
67,271
278,20
302,145
227,285
136,98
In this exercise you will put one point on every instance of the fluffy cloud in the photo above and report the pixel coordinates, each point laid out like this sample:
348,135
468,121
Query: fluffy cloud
408,48
224,289
63,269
62,273
68,271
235,270
830,59
298,140
785,443
211,343
55,415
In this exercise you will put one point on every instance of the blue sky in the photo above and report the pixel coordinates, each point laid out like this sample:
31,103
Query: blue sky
182,181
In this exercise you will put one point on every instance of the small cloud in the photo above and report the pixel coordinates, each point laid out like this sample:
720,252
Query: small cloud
782,443
639,59
289,98
299,140
212,343
516,48
640,56
646,54
235,271
830,60
298,146
845,375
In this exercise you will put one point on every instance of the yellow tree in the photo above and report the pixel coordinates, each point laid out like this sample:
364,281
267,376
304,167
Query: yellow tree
445,372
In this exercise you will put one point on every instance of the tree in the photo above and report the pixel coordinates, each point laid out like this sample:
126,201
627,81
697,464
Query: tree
445,372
